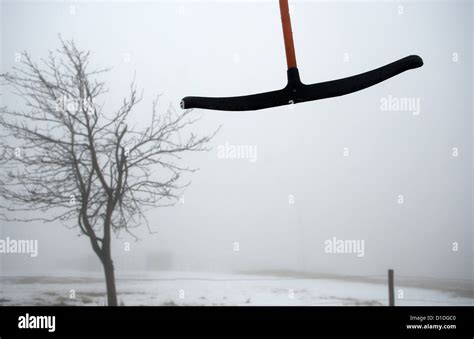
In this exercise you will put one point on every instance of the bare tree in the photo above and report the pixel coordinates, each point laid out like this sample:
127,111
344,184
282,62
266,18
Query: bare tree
64,159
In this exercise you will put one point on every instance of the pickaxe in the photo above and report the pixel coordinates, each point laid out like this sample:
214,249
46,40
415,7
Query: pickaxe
295,91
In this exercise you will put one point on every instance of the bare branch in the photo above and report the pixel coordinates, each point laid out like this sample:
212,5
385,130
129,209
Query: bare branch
63,159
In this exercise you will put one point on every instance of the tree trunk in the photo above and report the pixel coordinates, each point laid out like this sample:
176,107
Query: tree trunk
110,282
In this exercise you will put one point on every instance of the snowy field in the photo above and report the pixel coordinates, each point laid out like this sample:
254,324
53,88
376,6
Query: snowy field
208,289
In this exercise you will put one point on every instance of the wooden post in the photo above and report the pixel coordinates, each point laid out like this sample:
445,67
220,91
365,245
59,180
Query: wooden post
391,292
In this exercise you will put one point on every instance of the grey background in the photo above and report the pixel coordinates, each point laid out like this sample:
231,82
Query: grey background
215,48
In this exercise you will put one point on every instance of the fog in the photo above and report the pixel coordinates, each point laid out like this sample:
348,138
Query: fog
349,167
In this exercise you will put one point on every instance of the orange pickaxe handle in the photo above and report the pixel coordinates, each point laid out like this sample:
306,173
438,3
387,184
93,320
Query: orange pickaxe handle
287,34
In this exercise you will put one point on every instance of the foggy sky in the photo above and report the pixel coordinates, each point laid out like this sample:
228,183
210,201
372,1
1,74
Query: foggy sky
211,48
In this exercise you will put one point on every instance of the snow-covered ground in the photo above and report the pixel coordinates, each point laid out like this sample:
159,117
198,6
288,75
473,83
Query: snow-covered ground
202,288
